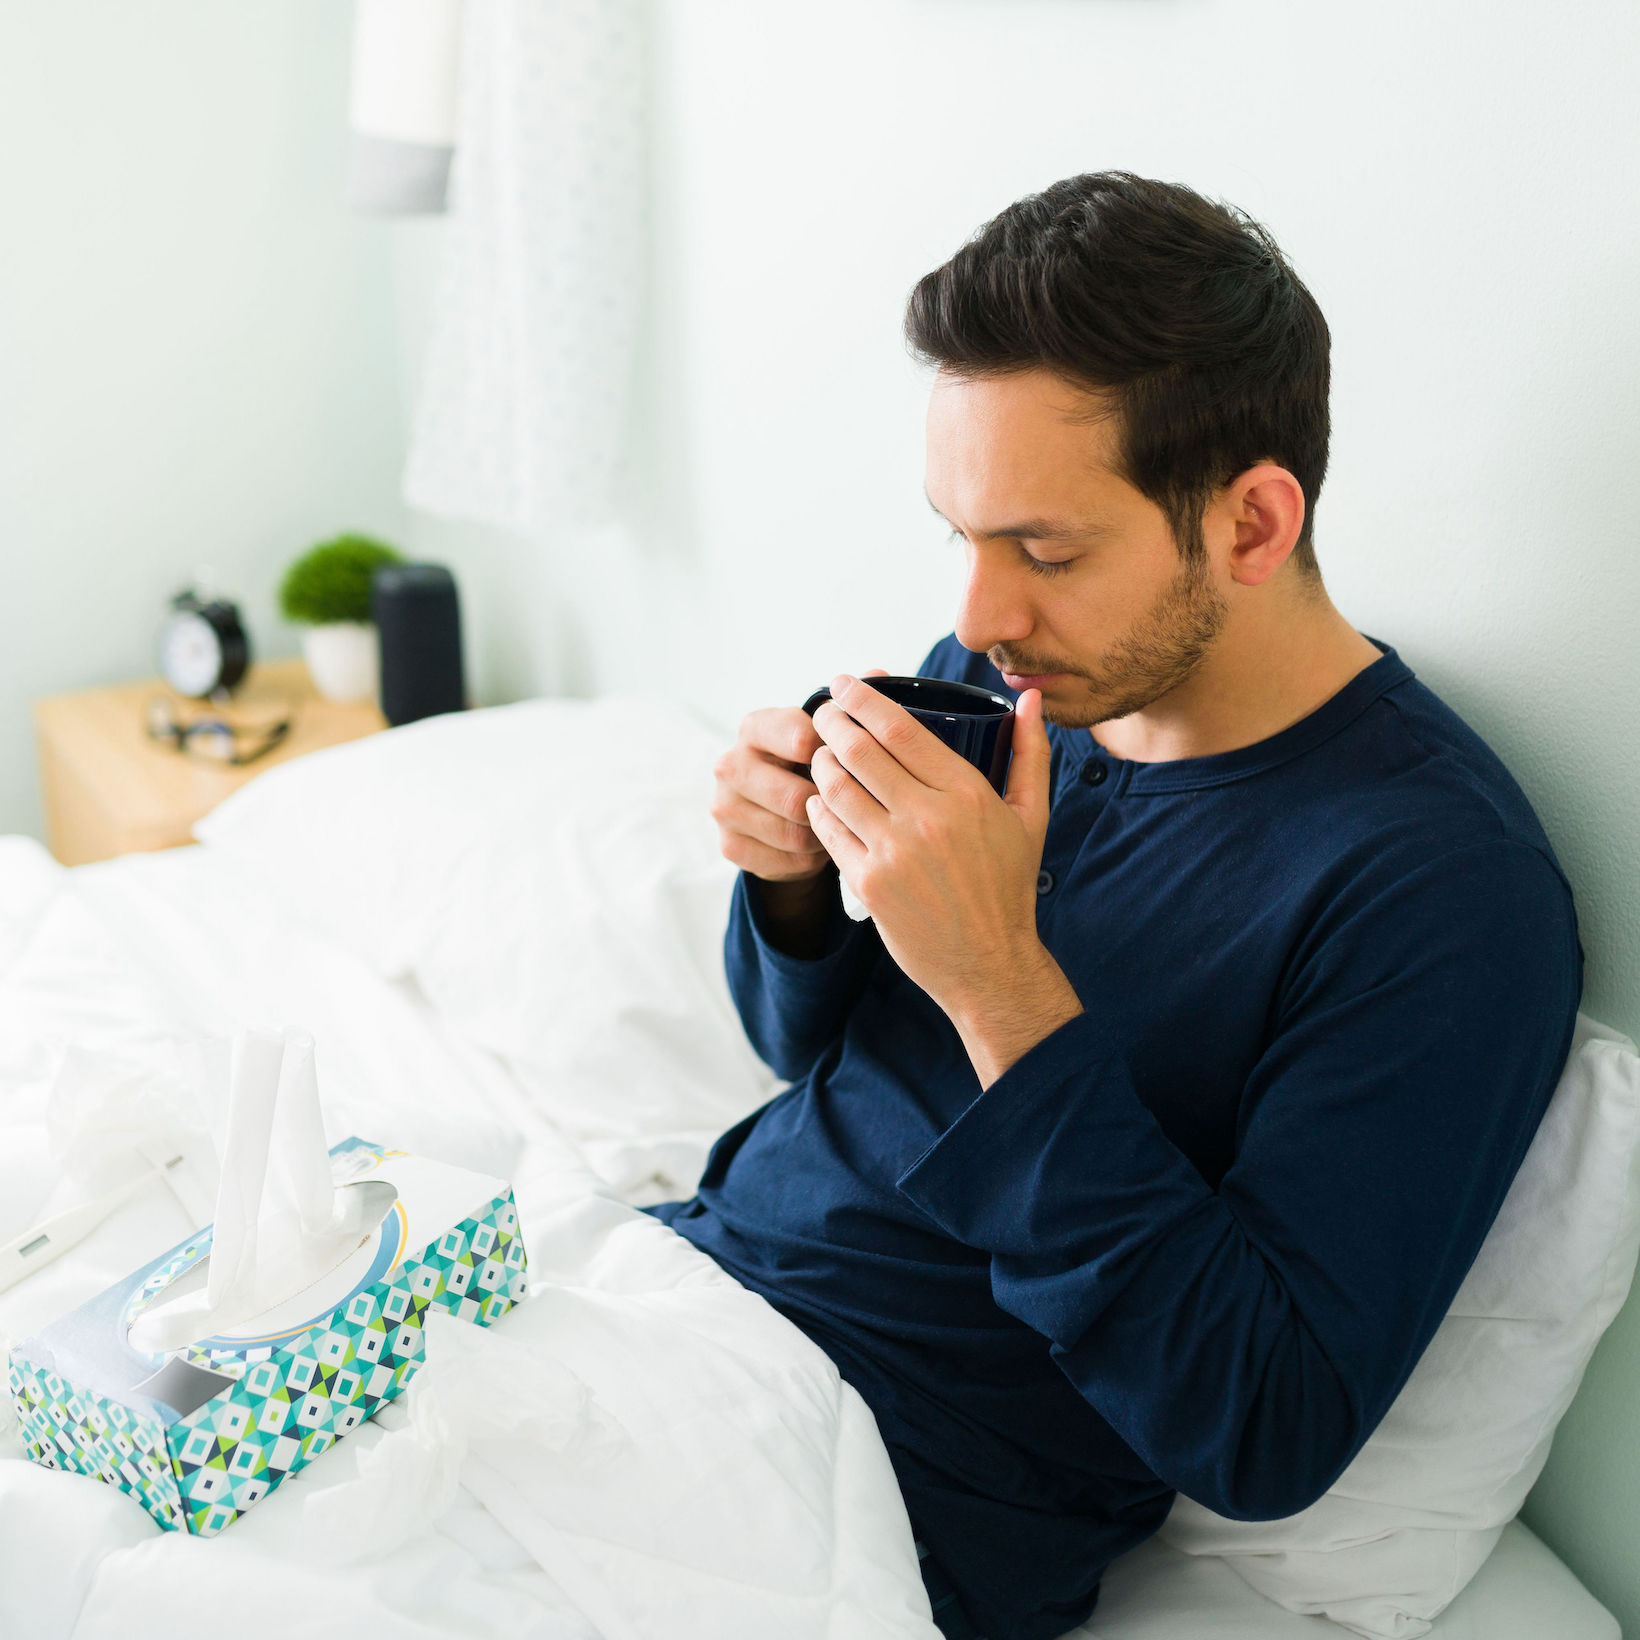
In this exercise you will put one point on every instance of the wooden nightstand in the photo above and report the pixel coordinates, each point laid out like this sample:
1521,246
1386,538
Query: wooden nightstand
110,790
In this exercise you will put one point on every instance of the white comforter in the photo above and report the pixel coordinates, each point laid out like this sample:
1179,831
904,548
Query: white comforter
641,1449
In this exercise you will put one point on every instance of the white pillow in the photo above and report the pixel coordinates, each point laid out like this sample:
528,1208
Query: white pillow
1411,1520
548,875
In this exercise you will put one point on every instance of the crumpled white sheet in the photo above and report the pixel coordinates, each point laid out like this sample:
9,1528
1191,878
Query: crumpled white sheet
678,1458
88,1054
656,1452
642,1449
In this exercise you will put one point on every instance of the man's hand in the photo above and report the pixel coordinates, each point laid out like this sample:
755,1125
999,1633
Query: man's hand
760,806
761,793
946,868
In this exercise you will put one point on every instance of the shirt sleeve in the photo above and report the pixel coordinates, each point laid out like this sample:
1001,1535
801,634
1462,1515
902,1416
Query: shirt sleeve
1246,1340
793,1008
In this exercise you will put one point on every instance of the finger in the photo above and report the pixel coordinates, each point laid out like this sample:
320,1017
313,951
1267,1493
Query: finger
875,672
766,782
1029,791
847,798
841,844
864,757
794,837
922,754
783,731
772,865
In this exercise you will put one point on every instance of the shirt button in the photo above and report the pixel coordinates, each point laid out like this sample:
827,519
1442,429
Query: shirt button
1094,772
1044,882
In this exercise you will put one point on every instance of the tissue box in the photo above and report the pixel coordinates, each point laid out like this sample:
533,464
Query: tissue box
201,1434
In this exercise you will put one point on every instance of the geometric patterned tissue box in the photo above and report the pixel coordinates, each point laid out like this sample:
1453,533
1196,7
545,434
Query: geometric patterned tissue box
200,1435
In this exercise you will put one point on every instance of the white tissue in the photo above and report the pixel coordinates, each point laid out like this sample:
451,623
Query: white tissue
851,901
281,1223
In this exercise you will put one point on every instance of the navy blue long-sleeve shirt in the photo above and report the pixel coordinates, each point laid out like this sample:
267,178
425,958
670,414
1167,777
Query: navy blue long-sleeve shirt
1195,1239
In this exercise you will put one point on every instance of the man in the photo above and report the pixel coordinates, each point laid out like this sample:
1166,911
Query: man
1140,1141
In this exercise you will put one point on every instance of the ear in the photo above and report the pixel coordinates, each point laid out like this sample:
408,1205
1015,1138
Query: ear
1263,508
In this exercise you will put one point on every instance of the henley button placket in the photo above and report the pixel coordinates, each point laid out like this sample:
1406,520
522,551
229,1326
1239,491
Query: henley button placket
1094,772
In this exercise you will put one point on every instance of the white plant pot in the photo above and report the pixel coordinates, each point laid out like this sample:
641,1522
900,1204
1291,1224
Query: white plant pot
344,660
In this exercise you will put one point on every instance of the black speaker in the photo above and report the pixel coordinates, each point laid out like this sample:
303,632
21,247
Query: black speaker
418,618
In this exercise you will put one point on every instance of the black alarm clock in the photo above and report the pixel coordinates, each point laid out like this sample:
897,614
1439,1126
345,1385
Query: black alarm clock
203,648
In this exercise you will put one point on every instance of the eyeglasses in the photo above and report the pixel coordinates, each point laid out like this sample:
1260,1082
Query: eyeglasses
213,739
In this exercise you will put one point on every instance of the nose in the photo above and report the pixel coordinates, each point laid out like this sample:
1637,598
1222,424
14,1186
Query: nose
994,608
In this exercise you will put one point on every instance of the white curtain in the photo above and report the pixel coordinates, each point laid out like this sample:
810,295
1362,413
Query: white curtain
523,408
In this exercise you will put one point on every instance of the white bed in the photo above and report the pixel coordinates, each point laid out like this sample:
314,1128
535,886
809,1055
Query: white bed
642,1449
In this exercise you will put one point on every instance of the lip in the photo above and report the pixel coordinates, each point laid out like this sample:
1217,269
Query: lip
1037,680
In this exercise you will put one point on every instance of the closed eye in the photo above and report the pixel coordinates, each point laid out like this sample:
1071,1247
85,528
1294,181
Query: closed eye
1037,566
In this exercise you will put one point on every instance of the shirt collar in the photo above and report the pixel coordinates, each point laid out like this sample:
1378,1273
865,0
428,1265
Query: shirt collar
1191,773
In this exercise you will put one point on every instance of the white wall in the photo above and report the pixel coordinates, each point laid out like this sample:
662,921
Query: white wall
1457,182
199,357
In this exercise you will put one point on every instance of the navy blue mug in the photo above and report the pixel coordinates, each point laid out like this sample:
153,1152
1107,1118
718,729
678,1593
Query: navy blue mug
977,724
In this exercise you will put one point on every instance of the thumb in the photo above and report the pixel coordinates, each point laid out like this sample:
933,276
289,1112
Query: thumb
1028,791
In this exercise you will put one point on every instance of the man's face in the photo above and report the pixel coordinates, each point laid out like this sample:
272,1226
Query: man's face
1075,586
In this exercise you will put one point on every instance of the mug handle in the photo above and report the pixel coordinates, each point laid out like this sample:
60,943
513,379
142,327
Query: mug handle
810,706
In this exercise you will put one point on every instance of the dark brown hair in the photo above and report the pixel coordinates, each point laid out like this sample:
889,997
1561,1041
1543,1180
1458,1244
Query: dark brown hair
1180,312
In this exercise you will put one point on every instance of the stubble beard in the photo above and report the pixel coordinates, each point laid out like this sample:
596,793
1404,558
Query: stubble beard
1164,647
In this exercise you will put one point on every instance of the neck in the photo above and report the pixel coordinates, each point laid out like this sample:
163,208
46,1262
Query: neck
1275,662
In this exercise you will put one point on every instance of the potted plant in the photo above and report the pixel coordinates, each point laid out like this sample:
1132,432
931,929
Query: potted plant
327,591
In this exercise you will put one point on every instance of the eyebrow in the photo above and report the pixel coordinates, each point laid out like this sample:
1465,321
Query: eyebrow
1033,529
